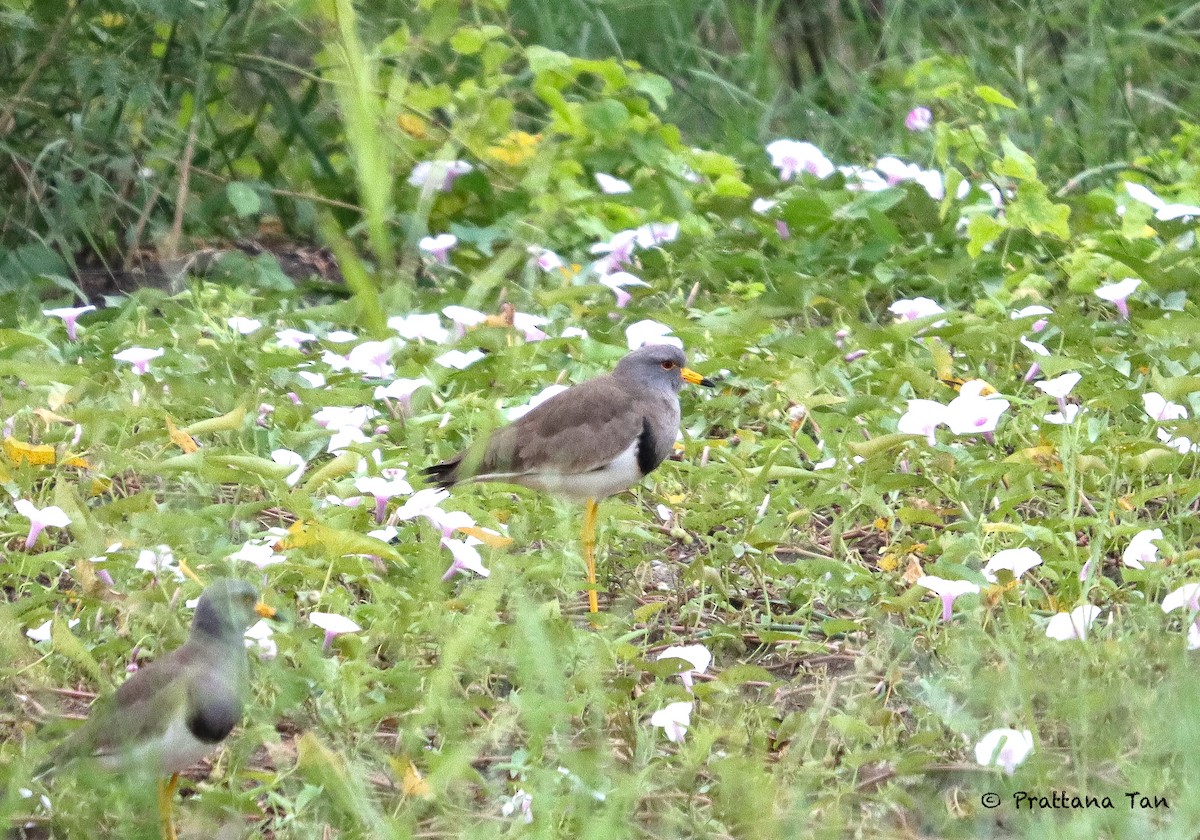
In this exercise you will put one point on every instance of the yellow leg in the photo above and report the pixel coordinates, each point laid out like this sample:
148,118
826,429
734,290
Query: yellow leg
589,552
166,797
187,570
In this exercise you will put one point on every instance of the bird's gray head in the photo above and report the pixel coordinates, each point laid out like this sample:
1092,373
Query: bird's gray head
226,608
658,366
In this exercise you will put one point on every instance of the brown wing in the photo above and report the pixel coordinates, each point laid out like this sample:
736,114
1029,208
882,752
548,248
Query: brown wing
579,430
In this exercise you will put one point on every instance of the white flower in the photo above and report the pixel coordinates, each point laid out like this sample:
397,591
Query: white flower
912,309
372,358
1163,211
612,186
420,325
1060,386
438,246
674,719
41,633
288,458
139,357
521,804
1073,625
295,339
1158,408
332,623
257,554
1141,548
401,389
971,413
922,418
335,417
1016,560
792,156
546,393
650,332
439,174
466,559
948,590
419,502
1066,416
259,636
1004,748
617,280
158,561
697,656
341,337
1118,293
1187,596
245,326
459,360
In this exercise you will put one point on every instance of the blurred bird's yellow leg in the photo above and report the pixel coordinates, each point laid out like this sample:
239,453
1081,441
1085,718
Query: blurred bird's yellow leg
185,569
589,552
166,798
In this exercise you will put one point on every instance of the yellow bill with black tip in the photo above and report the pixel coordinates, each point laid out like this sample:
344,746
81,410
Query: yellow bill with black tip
690,376
265,610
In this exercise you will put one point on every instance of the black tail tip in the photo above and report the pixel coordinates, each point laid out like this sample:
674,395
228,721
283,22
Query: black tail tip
442,475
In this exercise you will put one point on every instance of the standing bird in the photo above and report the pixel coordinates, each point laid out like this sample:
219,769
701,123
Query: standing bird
176,710
589,442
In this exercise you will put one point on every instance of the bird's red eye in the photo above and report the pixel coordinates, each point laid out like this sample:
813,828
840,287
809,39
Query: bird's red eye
668,365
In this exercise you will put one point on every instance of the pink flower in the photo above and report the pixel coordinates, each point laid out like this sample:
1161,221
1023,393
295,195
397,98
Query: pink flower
383,488
438,246
69,315
1158,408
695,655
419,502
463,318
1118,294
295,339
915,308
919,119
373,358
792,156
139,358
1004,748
1060,387
521,804
459,360
1032,311
40,519
972,413
1141,548
1163,211
948,590
1186,596
922,418
617,281
466,559
439,174
333,624
547,260
674,719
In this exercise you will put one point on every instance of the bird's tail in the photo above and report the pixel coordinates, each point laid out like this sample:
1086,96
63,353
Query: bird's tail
445,474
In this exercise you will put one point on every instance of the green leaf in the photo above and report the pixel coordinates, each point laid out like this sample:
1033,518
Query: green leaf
243,199
1034,211
1016,163
994,97
982,231
470,40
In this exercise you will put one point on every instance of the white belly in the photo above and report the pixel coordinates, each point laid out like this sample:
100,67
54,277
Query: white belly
174,751
620,474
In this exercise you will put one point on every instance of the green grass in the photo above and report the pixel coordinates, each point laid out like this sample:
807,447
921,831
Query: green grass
797,515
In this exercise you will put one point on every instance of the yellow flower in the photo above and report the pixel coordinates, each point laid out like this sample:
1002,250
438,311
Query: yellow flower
515,148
